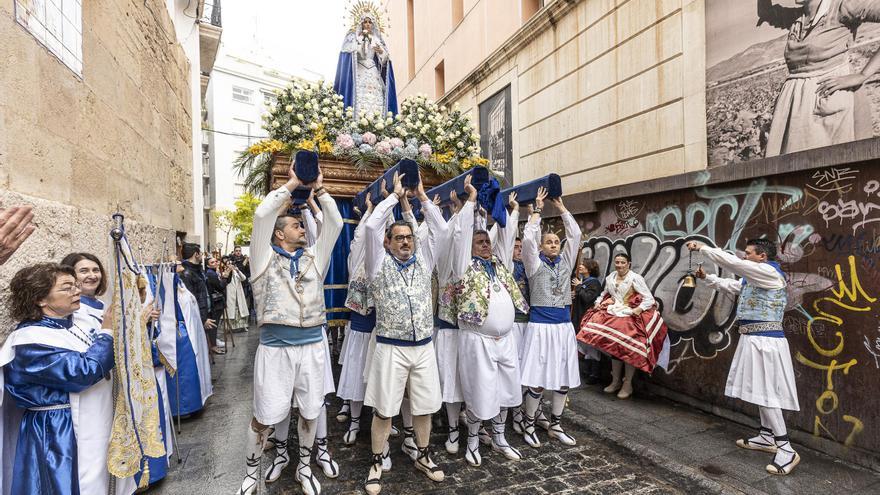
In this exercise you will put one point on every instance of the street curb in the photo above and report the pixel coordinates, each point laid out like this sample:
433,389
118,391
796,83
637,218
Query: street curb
665,462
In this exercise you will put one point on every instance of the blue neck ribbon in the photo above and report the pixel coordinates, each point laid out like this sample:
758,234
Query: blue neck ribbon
294,259
403,265
551,263
488,266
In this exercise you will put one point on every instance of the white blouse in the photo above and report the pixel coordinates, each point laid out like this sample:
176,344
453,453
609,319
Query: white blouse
619,290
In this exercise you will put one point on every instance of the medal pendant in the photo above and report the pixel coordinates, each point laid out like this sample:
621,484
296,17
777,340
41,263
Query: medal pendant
496,288
300,289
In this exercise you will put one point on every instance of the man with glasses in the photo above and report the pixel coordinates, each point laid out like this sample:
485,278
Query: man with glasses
398,268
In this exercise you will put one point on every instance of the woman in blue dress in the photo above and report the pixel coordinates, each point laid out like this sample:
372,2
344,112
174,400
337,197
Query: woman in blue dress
50,364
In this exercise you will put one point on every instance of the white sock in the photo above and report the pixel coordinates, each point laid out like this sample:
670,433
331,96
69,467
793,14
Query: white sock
473,426
774,420
406,413
453,409
532,402
498,425
321,423
558,402
282,429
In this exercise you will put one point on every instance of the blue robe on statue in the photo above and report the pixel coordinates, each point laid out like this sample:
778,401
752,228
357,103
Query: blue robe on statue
362,69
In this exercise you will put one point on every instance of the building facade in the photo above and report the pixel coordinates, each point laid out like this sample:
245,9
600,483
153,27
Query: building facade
238,96
660,117
583,78
96,116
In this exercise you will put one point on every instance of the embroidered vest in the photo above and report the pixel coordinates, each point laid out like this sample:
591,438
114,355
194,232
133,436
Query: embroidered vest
358,298
468,299
757,304
283,300
543,283
403,301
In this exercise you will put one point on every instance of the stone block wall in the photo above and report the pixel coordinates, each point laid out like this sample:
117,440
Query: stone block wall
117,138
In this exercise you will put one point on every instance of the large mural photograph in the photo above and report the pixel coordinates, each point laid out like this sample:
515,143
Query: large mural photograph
790,75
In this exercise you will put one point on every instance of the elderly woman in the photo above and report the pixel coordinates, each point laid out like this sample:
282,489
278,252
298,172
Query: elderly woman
56,371
625,325
822,101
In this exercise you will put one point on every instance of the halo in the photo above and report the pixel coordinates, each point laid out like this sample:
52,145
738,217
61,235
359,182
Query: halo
360,8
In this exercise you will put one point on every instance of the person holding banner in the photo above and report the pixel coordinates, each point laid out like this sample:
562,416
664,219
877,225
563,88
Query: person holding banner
288,284
549,346
57,373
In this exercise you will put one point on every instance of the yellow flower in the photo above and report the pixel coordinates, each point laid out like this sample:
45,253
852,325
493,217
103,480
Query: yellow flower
325,147
265,146
306,144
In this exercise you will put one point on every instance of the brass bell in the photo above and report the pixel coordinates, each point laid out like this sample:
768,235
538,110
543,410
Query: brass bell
689,281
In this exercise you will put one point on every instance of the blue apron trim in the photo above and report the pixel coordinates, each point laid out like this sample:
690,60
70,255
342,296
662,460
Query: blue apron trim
361,323
402,343
546,314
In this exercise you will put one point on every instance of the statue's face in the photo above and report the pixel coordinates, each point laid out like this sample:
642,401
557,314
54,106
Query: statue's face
367,25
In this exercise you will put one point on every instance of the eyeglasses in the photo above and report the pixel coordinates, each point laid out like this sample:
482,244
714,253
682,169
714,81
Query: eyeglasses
401,238
71,289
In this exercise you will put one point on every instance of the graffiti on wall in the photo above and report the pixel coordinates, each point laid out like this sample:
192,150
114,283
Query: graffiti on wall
826,224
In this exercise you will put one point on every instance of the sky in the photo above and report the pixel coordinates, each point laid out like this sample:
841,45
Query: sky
730,28
300,37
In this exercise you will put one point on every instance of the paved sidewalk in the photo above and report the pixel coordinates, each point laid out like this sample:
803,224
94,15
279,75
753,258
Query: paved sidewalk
702,447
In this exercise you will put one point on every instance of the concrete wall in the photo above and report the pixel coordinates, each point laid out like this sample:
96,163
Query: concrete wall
604,92
821,208
120,136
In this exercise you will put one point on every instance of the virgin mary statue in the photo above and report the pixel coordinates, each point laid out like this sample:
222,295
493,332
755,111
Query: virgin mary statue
364,76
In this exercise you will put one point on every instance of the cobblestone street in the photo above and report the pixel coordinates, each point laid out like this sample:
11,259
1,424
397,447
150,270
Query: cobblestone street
212,455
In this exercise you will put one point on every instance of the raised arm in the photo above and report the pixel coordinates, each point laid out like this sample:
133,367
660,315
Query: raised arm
311,227
572,233
374,232
264,223
357,254
330,230
505,237
437,230
761,274
532,235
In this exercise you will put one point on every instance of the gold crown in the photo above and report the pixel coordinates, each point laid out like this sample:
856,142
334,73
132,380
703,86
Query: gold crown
366,8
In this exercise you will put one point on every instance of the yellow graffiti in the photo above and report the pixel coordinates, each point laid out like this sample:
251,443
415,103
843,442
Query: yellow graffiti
856,300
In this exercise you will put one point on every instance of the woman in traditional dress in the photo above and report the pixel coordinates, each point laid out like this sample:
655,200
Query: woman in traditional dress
823,101
364,75
626,325
57,371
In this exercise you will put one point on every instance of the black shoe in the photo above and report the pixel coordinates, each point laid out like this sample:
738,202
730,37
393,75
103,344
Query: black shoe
592,372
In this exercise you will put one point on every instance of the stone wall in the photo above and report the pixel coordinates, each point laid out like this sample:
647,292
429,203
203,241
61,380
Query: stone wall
822,208
119,137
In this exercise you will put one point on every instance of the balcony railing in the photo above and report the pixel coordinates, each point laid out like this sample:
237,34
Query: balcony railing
212,13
